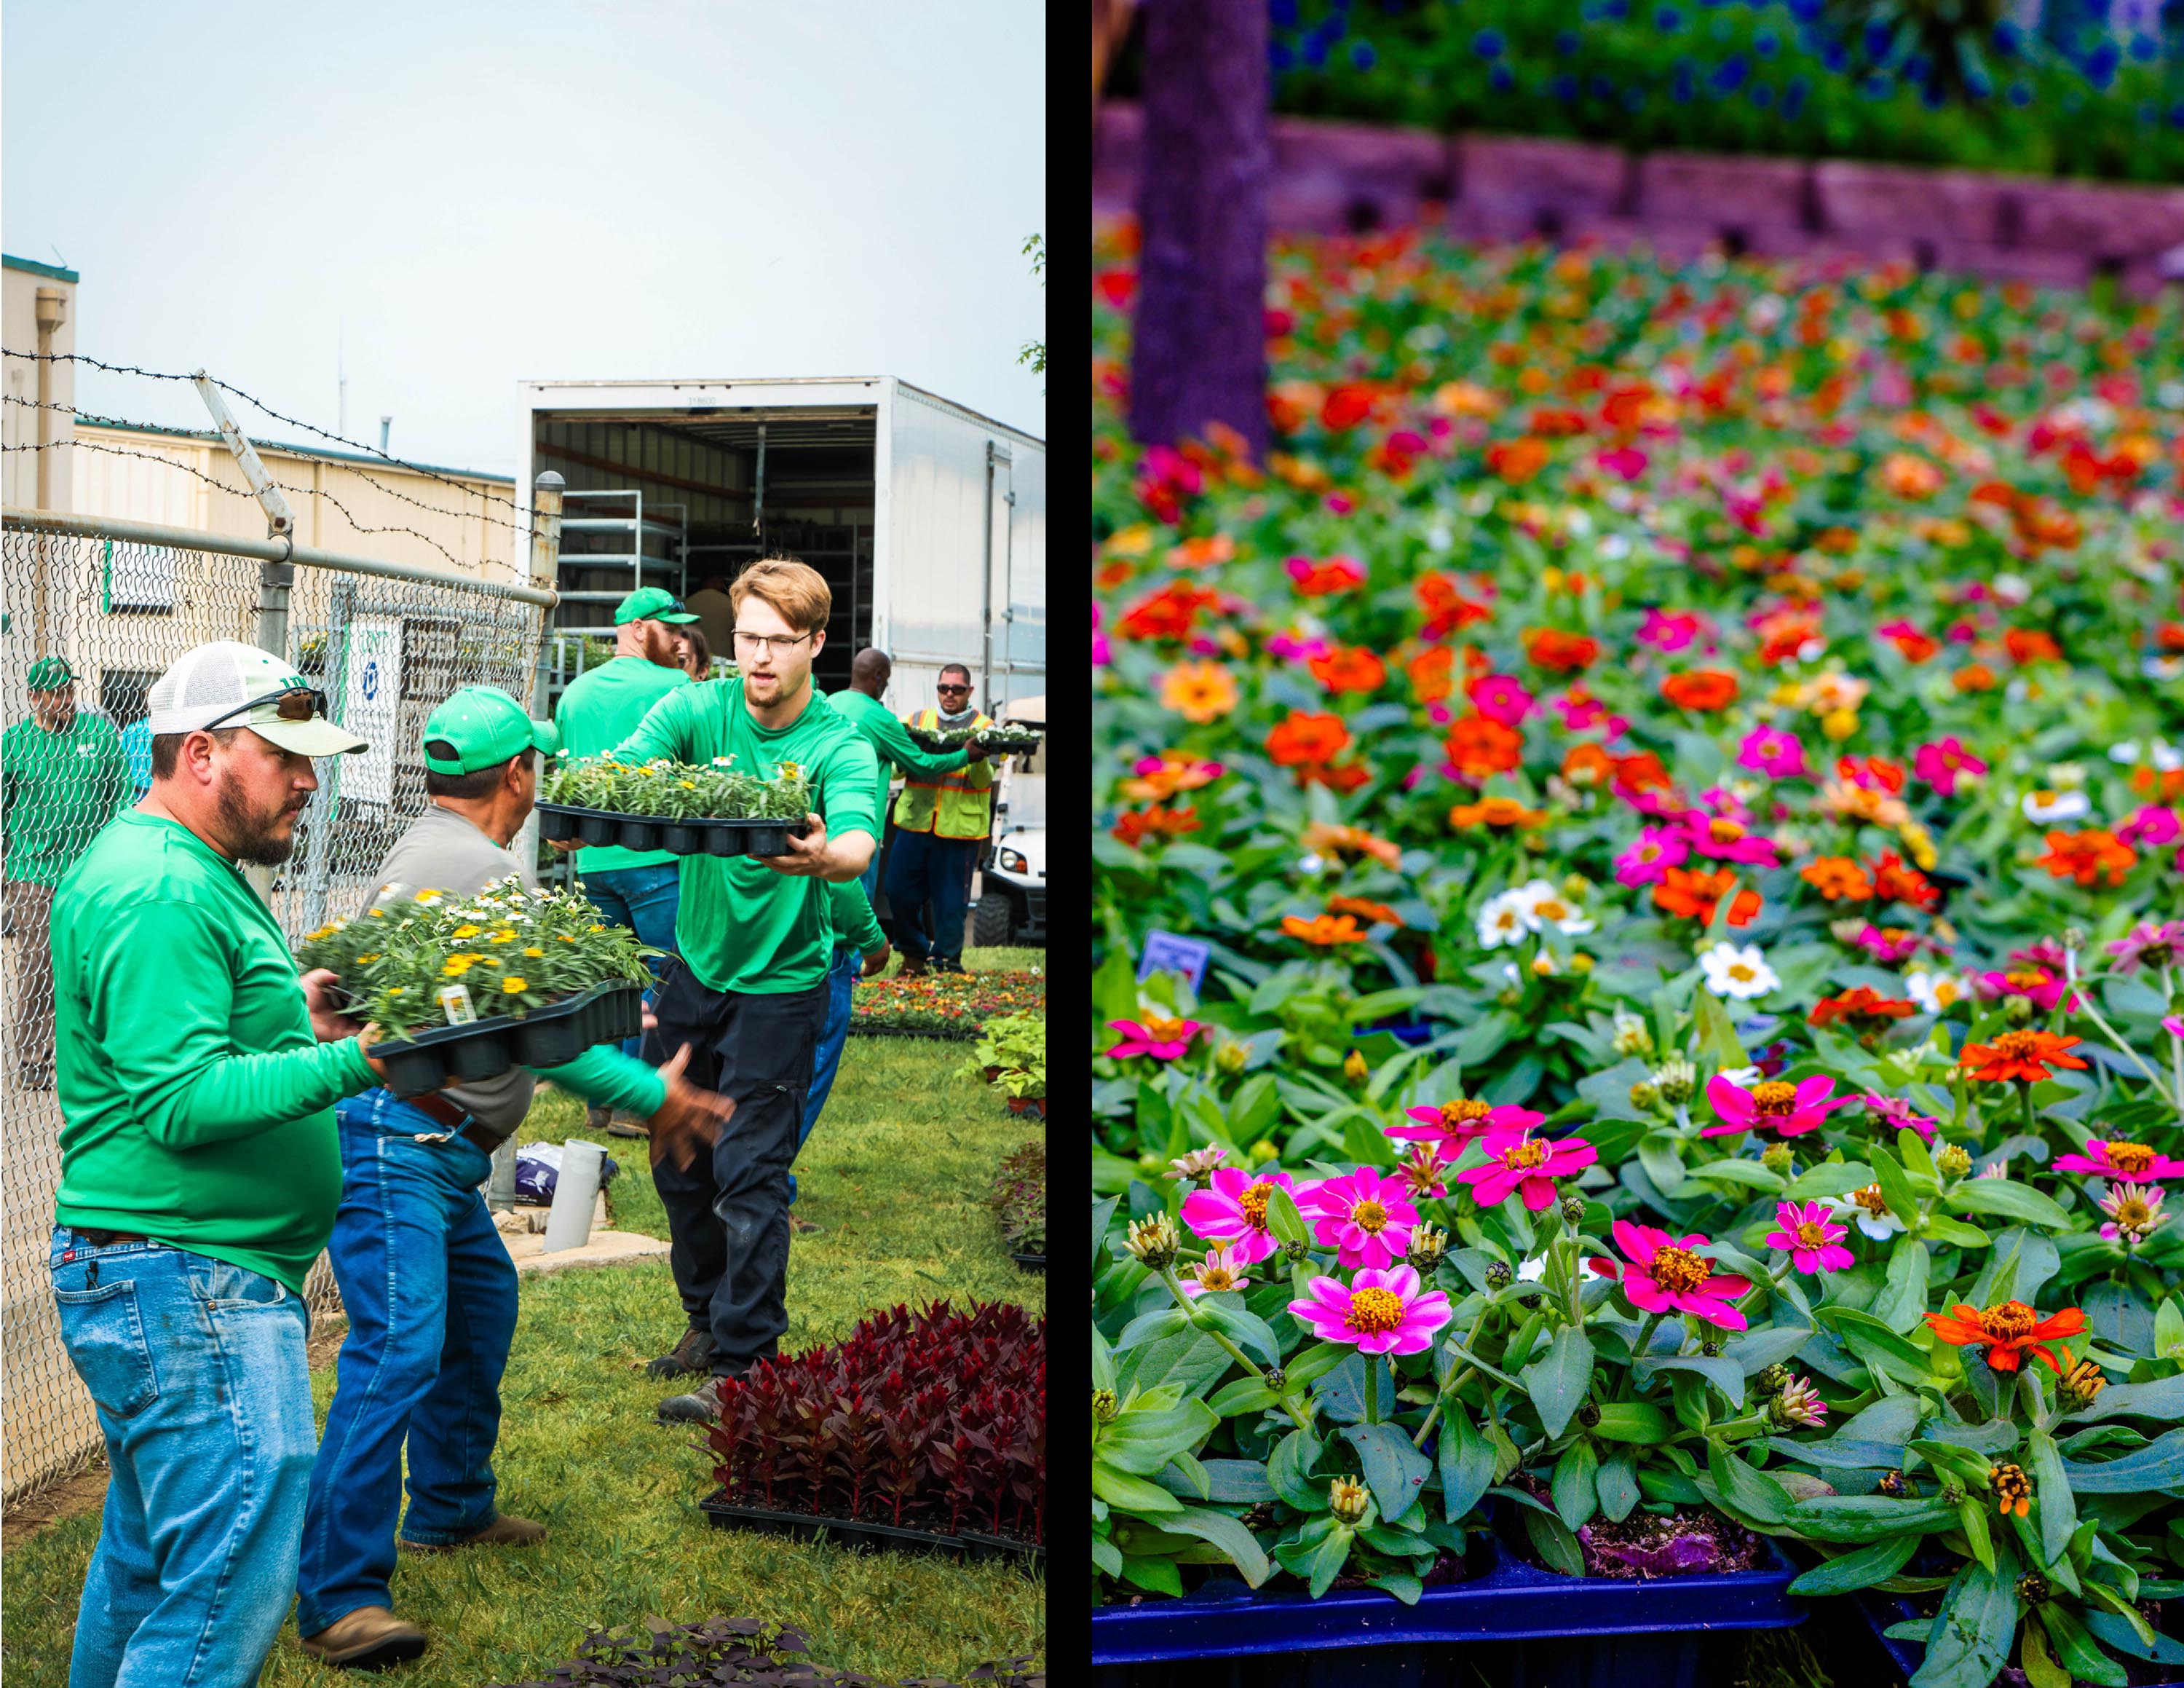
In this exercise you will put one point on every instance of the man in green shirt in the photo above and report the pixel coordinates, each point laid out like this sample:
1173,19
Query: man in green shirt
869,670
196,1077
63,774
634,888
755,936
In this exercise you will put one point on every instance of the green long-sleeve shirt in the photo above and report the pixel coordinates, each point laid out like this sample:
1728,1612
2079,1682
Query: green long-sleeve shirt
196,1107
57,790
856,926
889,739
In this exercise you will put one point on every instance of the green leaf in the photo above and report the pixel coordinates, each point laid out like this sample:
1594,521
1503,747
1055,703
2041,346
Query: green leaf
1723,1372
1553,1542
1284,1220
1943,1229
1895,1185
1227,1533
1661,1154
1913,1150
2161,1400
1467,1462
1971,1517
2159,1465
1290,1471
1749,1173
2169,1327
1716,1037
1558,1381
2051,1488
2038,1665
1572,1483
1976,1624
1144,1442
1873,1342
1860,1569
1316,1362
1246,1394
1150,1327
2076,1654
1870,1517
1131,1493
1115,985
2010,1199
1752,1493
1902,1305
1395,1471
1230,1481
1159,1575
1326,1561
1243,1328
1616,1483
1633,1421
1402,1584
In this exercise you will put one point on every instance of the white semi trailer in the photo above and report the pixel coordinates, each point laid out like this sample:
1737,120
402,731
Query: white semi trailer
927,519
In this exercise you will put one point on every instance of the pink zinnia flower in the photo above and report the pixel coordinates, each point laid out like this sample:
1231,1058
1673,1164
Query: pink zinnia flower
1218,1270
1791,1110
1939,763
2150,828
1723,839
2116,1159
2134,1212
1812,1244
1383,1312
1647,861
1164,1040
2173,1024
1232,1209
2148,944
1664,1275
1626,461
1366,1218
1303,568
1501,697
2041,985
1421,1171
1897,1112
1290,647
1891,947
1454,1124
1668,631
1102,656
1518,1161
1773,752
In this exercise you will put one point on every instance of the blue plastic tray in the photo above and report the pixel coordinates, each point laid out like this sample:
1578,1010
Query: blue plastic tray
1510,1601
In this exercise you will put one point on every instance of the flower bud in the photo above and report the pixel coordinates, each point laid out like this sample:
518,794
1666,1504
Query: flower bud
1581,962
1263,1151
2012,1489
1576,886
2074,937
1953,1161
1276,1378
1771,1380
1231,1056
1633,1036
1103,1406
1294,1252
1498,1275
1895,1484
1711,1350
1845,931
1779,1159
1644,1095
1677,1080
1347,1498
1573,1211
2032,1588
1588,1415
1196,1165
1799,1406
2017,1010
1355,1069
1952,1493
1154,1241
1428,1246
2081,1382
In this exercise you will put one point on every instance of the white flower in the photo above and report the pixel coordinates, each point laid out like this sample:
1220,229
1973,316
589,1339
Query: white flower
2046,806
1544,905
1743,1078
2012,589
2165,757
1870,1216
1735,970
1530,1272
1501,921
1933,991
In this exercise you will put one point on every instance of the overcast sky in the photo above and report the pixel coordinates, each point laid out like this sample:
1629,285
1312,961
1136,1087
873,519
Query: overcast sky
455,196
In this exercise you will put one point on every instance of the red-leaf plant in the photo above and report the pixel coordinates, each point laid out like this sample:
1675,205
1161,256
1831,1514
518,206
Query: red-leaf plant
933,1419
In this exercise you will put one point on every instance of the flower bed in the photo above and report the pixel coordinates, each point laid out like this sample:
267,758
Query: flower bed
933,1421
943,1004
1727,719
1018,1200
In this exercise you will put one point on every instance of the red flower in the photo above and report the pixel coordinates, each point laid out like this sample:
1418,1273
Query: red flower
1702,688
2009,1332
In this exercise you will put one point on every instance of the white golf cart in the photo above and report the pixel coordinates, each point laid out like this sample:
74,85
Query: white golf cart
1012,905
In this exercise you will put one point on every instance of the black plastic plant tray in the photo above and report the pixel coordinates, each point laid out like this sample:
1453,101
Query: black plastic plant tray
561,822
850,1532
1638,1633
1890,1658
968,1034
976,1546
1030,1262
486,1049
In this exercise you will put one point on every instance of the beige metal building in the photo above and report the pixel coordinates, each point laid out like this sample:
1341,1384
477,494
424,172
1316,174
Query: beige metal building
37,313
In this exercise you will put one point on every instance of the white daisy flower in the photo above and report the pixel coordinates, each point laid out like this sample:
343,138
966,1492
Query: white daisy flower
1544,905
2044,806
1933,991
1738,970
1501,921
2012,589
1743,1078
1868,1211
1530,1272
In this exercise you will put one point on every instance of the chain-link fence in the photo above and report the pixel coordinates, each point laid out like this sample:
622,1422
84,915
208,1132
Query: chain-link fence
117,607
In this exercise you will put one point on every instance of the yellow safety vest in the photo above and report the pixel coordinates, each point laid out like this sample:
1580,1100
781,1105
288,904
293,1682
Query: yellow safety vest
958,805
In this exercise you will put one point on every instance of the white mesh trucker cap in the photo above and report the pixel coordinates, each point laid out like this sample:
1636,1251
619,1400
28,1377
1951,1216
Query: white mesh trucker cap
229,684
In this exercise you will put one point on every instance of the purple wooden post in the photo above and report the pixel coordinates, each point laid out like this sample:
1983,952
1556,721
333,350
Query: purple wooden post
1200,336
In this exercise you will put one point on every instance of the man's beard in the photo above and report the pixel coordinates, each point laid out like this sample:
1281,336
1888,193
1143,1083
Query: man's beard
252,837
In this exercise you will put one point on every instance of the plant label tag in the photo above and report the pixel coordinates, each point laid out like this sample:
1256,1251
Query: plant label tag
455,1004
1166,953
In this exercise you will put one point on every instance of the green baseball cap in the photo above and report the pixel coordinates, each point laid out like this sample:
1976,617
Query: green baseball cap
651,603
49,674
481,726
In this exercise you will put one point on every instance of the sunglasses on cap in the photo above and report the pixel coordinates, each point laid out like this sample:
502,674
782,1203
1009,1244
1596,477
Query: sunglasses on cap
292,706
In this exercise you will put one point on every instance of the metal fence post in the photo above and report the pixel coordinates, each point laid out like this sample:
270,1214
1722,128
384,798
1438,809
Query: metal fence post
545,574
333,675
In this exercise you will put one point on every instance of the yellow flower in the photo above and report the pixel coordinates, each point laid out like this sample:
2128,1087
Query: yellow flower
687,785
428,896
367,960
598,928
566,938
534,950
511,985
377,913
467,931
455,967
1839,723
505,936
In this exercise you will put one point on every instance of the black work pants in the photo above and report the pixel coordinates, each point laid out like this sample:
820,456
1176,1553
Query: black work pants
728,1213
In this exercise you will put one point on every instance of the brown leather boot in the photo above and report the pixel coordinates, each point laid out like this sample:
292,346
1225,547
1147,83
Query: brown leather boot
367,1639
503,1531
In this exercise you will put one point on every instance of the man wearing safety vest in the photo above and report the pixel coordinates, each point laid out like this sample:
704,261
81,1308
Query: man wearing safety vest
941,823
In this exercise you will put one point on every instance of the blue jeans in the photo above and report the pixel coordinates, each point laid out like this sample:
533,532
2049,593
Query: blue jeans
841,979
924,866
431,1296
644,900
198,1372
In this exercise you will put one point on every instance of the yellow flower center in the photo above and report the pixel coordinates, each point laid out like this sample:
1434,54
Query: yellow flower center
1529,1153
2025,980
1217,1278
2130,1157
2132,1214
1464,1110
1369,1216
1775,1096
1550,910
1375,1310
1678,1271
1724,831
1813,1235
467,931
2009,1320
1742,972
1166,1031
1254,1204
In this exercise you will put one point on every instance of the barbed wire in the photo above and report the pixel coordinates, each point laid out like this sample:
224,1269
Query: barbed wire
259,404
243,492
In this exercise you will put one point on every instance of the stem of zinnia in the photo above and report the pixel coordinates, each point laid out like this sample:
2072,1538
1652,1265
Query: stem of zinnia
1372,1387
2025,1098
1456,1379
1199,1321
2085,997
1645,1335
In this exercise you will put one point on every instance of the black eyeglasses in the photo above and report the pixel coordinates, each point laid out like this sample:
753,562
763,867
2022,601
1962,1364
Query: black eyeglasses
951,687
294,705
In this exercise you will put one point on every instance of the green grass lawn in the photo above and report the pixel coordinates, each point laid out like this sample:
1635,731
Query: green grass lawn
895,1172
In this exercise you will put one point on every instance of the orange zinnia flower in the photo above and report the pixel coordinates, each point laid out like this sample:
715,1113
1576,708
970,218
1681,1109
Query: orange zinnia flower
1501,812
2089,856
1642,771
1347,778
1517,461
1894,882
2008,1332
1199,691
1323,929
1305,739
1363,909
1432,673
1203,553
2027,644
1446,607
1564,653
1479,746
1839,879
1973,677
1135,826
1587,764
1692,894
1347,843
1701,689
1862,1002
1350,669
2020,1054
